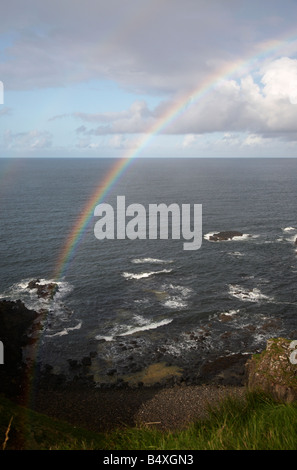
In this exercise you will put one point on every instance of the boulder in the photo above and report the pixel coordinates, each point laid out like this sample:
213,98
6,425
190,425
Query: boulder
221,236
274,370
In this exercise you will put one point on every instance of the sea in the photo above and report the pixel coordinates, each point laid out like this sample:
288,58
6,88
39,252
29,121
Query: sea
122,305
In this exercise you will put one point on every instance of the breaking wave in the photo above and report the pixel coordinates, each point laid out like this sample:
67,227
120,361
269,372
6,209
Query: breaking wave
248,295
144,274
289,229
150,260
143,325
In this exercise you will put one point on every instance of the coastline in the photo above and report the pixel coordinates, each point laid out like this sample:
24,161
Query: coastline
168,401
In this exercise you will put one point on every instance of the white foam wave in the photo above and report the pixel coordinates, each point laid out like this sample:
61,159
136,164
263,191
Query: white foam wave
236,253
289,229
144,274
291,239
65,331
150,260
230,313
208,235
177,296
132,329
184,291
249,295
175,303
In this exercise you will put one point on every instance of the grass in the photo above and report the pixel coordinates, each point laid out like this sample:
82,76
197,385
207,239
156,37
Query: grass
24,429
256,423
259,423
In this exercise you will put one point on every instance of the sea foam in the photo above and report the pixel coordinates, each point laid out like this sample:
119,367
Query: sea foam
132,329
249,295
144,274
150,261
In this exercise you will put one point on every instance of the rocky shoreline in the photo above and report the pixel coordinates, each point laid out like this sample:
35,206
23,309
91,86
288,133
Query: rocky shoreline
19,329
170,401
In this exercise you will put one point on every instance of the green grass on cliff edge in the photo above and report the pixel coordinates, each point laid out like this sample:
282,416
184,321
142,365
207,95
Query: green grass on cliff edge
256,423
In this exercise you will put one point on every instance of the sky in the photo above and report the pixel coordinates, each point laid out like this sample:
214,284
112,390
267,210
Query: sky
153,78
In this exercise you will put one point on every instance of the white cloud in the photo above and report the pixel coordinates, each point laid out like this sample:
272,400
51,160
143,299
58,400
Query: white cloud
280,78
259,107
165,49
189,140
253,140
31,140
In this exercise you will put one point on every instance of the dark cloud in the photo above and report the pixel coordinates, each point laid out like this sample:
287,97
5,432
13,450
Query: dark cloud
147,46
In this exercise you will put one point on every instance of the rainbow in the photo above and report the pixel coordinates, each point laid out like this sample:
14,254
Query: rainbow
178,107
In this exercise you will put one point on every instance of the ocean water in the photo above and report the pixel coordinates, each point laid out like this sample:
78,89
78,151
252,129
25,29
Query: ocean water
127,304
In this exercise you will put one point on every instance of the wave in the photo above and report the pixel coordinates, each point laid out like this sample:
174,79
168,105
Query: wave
150,260
132,329
230,313
177,296
30,298
289,229
145,274
236,253
65,331
175,303
247,295
185,291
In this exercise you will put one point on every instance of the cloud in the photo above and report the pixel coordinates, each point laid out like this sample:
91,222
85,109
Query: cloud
162,49
189,140
148,46
261,105
31,140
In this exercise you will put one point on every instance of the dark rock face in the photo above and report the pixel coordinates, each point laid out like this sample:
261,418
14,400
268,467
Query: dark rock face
15,324
296,241
44,290
221,236
225,370
275,370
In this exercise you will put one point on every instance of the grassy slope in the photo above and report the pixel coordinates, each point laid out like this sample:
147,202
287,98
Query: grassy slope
257,423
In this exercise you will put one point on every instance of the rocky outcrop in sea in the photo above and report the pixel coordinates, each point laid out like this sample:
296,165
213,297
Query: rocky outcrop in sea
222,236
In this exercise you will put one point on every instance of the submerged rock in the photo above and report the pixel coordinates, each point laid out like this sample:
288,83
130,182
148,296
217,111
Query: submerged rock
225,235
225,370
274,370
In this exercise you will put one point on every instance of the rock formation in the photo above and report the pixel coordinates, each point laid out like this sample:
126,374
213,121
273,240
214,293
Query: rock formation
225,235
44,290
274,370
16,321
